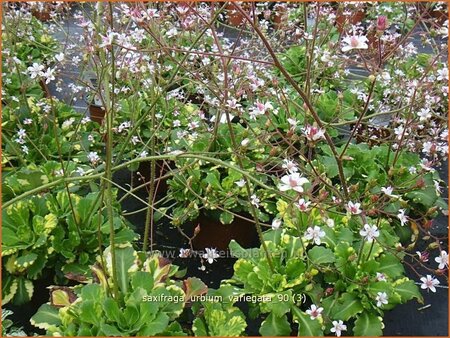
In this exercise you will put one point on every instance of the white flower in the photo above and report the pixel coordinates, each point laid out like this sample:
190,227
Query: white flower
176,123
402,217
429,282
338,327
387,190
290,166
107,40
210,255
67,123
313,133
59,57
143,153
292,122
25,149
412,170
49,75
437,187
314,234
381,298
314,311
442,260
276,223
330,222
35,70
233,104
424,114
254,200
193,125
303,205
259,109
21,133
80,171
354,42
245,142
27,121
171,32
442,74
184,253
135,140
293,181
85,120
353,208
381,277
123,126
202,268
423,257
240,183
93,157
369,232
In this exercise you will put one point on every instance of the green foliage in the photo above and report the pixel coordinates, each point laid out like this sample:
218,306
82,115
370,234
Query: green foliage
201,184
150,301
8,328
365,169
58,232
302,269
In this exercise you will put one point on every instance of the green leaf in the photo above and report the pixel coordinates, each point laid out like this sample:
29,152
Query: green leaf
321,255
142,279
194,287
246,257
92,292
407,290
112,311
26,260
156,326
426,197
368,324
90,311
275,326
216,317
124,260
306,326
278,304
391,266
47,316
9,288
199,328
110,330
213,178
226,217
24,291
347,306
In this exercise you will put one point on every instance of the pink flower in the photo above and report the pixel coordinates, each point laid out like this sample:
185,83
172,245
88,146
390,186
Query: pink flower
303,205
313,133
382,23
353,208
292,182
314,311
338,327
315,234
381,298
355,42
442,259
369,232
429,282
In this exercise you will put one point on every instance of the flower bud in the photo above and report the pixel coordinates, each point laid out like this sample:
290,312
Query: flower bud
382,23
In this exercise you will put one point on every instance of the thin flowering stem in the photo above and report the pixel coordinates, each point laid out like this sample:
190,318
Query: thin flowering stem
109,107
302,94
98,174
239,160
355,128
